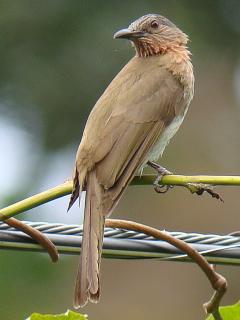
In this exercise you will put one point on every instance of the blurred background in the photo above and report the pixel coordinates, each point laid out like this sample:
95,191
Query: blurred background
56,58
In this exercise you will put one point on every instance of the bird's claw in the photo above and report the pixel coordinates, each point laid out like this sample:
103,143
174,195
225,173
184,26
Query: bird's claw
159,188
161,173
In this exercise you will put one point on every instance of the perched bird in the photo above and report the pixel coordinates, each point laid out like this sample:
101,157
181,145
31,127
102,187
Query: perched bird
129,126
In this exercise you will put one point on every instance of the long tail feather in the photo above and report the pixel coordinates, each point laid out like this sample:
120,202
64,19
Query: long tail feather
87,282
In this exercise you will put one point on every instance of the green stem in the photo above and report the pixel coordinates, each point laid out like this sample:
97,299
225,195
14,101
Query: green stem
181,180
36,200
66,188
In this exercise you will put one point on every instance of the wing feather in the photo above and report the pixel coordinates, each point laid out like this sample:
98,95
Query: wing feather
140,99
124,116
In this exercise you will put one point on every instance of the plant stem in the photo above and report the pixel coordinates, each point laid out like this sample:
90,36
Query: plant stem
182,180
217,281
36,235
36,200
66,188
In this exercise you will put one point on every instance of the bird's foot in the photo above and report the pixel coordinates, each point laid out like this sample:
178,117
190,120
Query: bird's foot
161,172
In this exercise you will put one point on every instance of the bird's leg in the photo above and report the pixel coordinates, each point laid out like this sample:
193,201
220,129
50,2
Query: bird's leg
196,188
161,172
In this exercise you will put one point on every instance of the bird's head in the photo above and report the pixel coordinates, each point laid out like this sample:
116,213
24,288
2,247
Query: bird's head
153,34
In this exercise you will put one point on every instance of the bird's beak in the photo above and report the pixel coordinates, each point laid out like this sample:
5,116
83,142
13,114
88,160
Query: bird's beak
128,34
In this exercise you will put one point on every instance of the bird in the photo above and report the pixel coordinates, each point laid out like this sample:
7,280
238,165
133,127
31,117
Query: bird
128,128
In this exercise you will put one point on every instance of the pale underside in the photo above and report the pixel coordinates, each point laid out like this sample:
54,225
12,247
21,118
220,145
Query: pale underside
158,148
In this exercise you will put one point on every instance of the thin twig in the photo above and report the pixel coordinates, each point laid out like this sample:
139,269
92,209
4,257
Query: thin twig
200,188
182,180
35,234
36,200
218,282
66,188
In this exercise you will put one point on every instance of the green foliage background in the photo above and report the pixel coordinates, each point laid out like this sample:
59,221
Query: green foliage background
56,57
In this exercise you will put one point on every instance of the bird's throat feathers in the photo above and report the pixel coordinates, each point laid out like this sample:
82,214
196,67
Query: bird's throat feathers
152,46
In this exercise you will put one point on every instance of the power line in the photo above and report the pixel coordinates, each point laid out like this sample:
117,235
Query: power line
124,244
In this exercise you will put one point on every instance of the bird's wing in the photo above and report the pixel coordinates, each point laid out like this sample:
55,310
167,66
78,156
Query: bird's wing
127,120
142,94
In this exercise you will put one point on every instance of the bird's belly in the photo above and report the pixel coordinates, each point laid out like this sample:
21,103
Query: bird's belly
158,148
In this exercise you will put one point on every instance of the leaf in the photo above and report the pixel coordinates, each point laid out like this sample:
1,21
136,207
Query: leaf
69,315
229,312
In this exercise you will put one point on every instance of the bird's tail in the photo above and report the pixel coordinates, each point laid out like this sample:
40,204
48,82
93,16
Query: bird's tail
87,282
76,192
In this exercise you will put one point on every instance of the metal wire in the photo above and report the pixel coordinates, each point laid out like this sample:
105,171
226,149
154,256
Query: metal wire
120,243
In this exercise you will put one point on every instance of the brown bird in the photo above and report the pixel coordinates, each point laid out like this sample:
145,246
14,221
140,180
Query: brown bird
129,126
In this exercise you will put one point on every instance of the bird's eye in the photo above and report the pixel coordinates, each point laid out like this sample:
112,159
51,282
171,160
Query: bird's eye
154,24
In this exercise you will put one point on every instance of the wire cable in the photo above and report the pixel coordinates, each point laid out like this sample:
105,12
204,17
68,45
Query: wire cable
124,244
